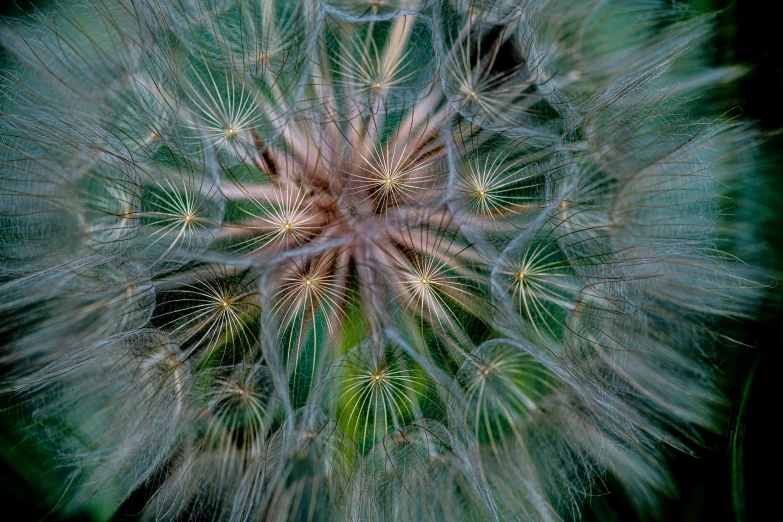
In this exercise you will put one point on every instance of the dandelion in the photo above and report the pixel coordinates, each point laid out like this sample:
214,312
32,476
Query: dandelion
377,260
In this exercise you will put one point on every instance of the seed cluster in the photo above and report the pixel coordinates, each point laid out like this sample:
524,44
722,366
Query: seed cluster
366,260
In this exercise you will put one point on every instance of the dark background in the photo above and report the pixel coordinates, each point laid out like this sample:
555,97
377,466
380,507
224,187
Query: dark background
746,34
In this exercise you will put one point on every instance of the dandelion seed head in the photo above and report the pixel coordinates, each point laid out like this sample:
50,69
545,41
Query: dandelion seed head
365,259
